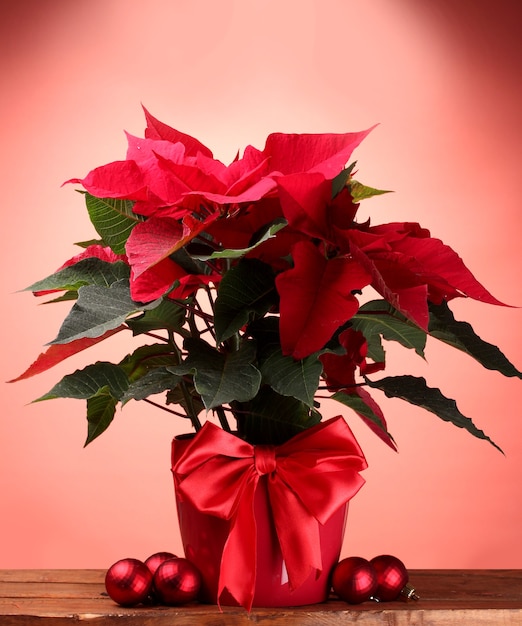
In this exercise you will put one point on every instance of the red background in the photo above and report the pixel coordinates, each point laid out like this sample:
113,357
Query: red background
441,77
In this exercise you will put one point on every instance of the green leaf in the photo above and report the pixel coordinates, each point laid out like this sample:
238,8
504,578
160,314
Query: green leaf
376,350
268,233
378,318
146,358
153,382
221,377
100,412
102,385
86,383
362,192
66,296
273,419
113,220
168,315
289,377
246,291
189,399
265,330
415,391
461,335
357,404
89,242
98,310
186,257
90,271
341,180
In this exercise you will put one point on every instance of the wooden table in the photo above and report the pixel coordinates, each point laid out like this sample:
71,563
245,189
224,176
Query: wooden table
447,598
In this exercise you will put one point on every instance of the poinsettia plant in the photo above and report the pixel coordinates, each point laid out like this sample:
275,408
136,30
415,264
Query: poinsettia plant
247,289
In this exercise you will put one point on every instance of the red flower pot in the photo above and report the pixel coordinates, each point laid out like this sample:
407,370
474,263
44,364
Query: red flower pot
204,536
236,546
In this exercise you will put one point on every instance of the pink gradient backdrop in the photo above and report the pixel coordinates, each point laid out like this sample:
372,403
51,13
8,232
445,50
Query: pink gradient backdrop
441,77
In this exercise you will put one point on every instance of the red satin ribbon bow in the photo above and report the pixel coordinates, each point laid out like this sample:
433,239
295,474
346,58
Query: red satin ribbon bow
308,478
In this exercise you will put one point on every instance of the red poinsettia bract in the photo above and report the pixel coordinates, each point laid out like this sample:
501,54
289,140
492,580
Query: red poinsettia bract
409,268
316,298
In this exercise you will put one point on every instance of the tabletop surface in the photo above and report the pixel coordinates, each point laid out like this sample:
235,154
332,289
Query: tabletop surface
447,597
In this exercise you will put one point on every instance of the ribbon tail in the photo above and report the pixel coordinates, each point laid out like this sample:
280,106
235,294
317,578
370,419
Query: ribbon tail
239,559
301,550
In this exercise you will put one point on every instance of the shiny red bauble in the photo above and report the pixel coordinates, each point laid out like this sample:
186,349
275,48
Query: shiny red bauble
128,582
156,559
354,580
392,576
177,581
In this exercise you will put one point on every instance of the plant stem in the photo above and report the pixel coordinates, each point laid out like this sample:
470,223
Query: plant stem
210,296
197,310
191,411
153,335
164,408
206,319
220,411
340,387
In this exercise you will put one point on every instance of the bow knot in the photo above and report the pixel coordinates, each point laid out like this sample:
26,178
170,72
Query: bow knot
265,459
317,473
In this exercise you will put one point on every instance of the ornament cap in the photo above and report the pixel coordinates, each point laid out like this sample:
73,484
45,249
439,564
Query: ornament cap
408,592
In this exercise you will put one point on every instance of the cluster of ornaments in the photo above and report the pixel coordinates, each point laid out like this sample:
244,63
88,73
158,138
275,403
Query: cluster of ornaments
167,579
163,578
382,579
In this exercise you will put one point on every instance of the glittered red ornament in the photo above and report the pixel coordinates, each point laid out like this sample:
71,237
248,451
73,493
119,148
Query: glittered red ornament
128,582
177,581
392,577
156,559
354,580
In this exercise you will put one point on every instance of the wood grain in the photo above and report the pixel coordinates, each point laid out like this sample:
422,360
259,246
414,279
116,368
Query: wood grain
448,598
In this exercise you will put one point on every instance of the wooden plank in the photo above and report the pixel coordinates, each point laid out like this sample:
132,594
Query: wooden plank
448,597
447,587
49,590
51,583
210,616
53,575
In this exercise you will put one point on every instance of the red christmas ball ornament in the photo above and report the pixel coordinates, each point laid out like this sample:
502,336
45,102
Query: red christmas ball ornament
156,559
128,582
177,581
392,577
354,580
